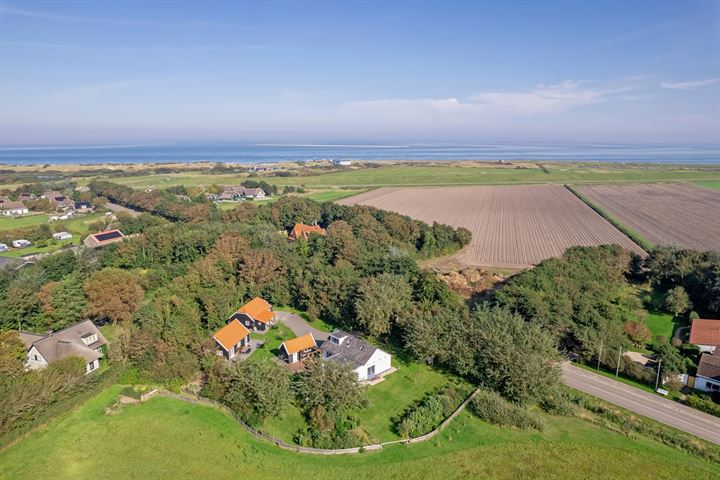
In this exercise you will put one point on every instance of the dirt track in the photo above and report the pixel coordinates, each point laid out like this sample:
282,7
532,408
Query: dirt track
513,226
676,213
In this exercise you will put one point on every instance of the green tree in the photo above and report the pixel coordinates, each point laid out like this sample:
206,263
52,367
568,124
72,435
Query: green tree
12,354
677,301
257,390
330,386
382,302
513,357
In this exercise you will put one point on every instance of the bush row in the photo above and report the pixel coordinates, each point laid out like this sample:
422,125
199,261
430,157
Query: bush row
494,409
427,414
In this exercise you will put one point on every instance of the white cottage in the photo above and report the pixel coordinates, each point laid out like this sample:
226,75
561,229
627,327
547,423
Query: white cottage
367,360
708,374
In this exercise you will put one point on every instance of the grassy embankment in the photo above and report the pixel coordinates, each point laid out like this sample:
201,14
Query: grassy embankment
714,184
146,441
456,174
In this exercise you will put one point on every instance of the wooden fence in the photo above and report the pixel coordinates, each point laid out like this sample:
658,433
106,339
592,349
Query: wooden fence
316,451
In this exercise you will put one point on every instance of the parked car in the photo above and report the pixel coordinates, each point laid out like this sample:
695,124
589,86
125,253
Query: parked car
22,243
3,247
62,236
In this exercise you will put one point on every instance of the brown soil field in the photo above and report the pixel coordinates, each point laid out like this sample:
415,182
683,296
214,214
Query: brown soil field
512,226
675,213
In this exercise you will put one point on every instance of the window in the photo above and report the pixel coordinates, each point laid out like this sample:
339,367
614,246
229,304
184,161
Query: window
90,339
371,371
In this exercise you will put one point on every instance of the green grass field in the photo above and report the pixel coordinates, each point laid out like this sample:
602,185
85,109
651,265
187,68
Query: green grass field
467,174
714,184
169,439
10,223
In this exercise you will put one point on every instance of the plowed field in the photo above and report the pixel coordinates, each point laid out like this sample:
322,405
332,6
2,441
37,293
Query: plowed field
675,213
513,226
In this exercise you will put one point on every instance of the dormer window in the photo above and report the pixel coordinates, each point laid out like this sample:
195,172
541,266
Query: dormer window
89,338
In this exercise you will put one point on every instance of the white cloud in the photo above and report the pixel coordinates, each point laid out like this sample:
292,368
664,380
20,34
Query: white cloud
689,85
540,100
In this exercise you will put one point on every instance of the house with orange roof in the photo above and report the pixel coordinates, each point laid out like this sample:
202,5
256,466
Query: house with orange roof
705,333
231,338
257,315
300,230
298,349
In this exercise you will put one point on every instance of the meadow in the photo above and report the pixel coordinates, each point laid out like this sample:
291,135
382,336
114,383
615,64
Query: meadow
169,439
446,173
78,226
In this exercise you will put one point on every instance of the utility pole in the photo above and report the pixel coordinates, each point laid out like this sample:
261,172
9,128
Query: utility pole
600,354
617,369
657,378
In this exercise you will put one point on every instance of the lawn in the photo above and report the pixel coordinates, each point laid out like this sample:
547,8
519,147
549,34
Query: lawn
392,396
78,226
457,174
272,339
11,223
169,439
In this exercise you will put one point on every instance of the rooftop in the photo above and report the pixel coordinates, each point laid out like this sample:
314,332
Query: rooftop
709,366
231,334
258,309
705,332
66,342
299,344
348,348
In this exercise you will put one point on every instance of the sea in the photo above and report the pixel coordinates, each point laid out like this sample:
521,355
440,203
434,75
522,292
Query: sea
224,152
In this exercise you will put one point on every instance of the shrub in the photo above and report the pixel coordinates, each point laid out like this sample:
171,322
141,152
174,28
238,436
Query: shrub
704,404
559,402
494,409
427,414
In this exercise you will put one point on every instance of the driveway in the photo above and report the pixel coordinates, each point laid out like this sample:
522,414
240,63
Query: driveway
299,326
645,403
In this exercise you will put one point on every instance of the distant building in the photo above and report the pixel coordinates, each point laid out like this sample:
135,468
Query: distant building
83,207
366,360
62,236
300,230
27,197
705,333
82,340
708,373
10,208
101,239
342,163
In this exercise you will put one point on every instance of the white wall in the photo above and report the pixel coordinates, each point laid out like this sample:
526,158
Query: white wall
700,384
380,359
706,348
35,364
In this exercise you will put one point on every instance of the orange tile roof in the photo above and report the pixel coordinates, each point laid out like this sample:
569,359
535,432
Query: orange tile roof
302,230
258,309
705,332
298,344
231,334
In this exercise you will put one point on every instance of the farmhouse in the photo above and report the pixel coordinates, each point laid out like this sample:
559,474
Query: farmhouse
27,197
235,194
100,239
254,193
300,230
83,207
10,208
367,360
231,338
298,349
257,315
708,374
82,340
705,334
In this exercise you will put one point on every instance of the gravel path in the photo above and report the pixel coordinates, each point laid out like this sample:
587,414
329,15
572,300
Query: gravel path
299,326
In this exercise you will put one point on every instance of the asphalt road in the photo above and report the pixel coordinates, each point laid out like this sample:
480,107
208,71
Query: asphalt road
645,403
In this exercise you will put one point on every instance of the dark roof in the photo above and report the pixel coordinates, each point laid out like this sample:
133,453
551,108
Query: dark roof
352,349
709,366
66,342
83,204
105,236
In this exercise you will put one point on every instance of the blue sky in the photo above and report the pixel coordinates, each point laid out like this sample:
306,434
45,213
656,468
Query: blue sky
370,72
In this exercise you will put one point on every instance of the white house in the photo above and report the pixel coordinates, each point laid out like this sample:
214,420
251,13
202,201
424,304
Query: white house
62,236
705,333
367,360
708,374
342,163
82,340
21,243
13,208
